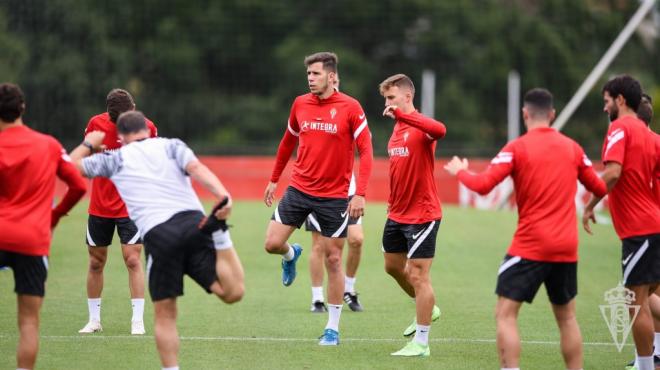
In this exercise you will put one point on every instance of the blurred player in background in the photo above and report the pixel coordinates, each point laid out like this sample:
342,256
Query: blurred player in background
545,166
107,211
29,164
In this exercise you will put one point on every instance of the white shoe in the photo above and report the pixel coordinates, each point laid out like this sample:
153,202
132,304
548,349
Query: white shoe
137,328
91,327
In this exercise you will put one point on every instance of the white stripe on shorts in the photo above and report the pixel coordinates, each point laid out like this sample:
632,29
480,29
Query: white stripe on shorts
45,259
90,241
634,260
135,238
342,227
150,261
277,214
314,222
510,262
421,239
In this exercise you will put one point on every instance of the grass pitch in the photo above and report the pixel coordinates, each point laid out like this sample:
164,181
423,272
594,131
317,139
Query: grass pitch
272,327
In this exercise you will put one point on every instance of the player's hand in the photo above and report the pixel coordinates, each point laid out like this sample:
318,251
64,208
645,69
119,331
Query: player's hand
356,206
389,111
223,213
269,194
456,164
96,139
588,215
55,218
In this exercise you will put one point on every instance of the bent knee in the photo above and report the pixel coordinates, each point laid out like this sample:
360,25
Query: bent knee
234,295
132,262
355,241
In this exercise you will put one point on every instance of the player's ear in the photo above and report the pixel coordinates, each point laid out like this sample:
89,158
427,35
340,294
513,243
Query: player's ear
551,115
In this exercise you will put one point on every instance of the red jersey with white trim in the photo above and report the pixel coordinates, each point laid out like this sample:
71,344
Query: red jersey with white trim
633,202
545,166
327,131
29,164
106,201
413,193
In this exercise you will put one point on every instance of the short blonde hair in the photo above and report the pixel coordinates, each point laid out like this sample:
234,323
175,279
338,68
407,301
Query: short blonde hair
398,80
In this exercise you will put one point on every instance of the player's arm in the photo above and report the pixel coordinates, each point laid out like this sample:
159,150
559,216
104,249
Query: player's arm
500,167
203,175
93,143
77,187
284,152
610,177
434,129
362,138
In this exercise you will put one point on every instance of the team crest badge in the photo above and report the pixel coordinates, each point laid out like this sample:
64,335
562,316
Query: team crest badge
616,313
405,137
333,113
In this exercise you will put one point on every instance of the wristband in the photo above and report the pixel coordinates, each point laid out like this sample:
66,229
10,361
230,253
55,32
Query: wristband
88,145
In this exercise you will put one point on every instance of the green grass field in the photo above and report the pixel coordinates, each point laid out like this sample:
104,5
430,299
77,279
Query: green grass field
272,327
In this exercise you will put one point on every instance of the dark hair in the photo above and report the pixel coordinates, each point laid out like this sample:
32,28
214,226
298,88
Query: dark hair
131,122
645,110
398,80
118,102
538,101
12,102
328,59
627,87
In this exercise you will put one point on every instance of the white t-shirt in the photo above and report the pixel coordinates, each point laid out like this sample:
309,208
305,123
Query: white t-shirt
150,177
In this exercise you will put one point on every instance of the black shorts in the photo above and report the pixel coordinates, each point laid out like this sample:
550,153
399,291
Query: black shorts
177,247
30,272
640,260
519,279
417,240
101,229
331,213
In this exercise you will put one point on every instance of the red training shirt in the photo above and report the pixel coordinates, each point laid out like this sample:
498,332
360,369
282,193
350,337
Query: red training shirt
106,201
413,194
326,130
545,166
633,203
29,163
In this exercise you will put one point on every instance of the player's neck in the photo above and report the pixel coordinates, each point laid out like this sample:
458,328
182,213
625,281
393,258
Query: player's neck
407,109
626,112
533,125
5,125
327,93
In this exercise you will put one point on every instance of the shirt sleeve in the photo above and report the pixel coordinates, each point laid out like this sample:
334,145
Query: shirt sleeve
180,153
76,184
362,138
153,130
103,164
500,167
587,175
287,145
615,144
90,127
433,129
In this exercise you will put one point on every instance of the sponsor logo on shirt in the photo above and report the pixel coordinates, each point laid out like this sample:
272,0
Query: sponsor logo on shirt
329,128
398,151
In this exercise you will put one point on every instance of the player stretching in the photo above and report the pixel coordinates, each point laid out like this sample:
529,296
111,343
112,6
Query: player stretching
414,210
29,164
326,124
107,211
630,157
545,166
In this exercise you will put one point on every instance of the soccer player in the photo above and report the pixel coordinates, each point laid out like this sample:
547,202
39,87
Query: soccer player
355,240
29,164
107,211
152,177
414,211
545,166
327,124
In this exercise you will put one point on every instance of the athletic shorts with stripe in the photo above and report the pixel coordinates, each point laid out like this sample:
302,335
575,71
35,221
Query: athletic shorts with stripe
30,272
176,248
330,213
640,260
417,240
312,223
519,279
101,229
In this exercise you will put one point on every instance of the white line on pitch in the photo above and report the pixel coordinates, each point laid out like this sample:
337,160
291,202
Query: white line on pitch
274,339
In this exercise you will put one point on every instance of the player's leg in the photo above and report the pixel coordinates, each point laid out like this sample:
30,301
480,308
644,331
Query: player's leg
355,240
131,249
167,337
28,326
99,236
654,304
561,286
316,272
394,245
229,285
508,339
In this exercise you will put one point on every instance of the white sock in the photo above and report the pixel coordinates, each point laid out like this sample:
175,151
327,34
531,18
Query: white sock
349,283
138,309
171,368
288,256
645,363
222,240
94,307
422,334
317,294
656,344
334,312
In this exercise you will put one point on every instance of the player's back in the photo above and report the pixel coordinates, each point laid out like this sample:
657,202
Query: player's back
28,167
545,173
